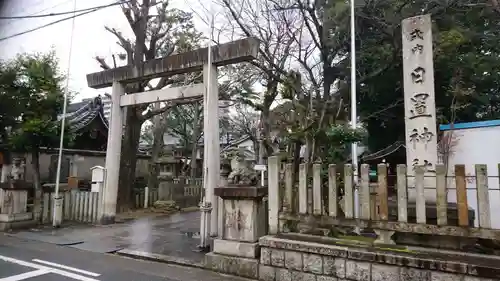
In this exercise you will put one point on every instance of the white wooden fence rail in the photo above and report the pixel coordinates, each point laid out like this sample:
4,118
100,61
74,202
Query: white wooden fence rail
80,206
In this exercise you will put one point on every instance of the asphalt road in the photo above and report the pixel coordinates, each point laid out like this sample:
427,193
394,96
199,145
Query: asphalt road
38,261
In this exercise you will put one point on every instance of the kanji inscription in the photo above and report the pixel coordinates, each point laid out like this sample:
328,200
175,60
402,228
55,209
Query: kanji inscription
423,137
417,75
419,106
416,34
417,49
236,219
425,163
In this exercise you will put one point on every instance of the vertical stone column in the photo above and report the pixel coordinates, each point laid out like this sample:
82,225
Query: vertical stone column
211,159
113,153
419,97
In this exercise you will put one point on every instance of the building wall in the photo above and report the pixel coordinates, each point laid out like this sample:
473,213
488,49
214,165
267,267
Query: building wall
471,144
79,165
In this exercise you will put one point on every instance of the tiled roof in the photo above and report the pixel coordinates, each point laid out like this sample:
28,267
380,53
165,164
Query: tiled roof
80,114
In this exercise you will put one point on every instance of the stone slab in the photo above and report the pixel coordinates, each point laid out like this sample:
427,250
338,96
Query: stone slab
241,192
158,258
238,266
484,267
224,54
236,248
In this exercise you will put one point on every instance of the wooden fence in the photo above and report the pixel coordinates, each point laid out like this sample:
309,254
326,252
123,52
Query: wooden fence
80,206
317,204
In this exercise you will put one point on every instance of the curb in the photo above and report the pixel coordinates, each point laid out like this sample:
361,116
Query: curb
159,258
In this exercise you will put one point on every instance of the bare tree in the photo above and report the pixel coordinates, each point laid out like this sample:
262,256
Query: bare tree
155,34
259,19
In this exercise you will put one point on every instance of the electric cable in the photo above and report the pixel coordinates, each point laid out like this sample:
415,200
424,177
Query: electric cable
58,14
61,20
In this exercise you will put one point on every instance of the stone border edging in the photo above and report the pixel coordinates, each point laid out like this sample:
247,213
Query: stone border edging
387,258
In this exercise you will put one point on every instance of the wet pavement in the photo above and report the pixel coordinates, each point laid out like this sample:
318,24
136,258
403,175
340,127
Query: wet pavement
174,236
22,259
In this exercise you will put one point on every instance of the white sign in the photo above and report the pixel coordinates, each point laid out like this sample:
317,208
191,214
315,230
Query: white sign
260,167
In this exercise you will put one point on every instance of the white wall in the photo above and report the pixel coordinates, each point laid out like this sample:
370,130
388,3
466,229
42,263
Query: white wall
477,146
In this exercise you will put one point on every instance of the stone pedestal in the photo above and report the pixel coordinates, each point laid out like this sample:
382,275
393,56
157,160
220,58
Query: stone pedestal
244,220
13,207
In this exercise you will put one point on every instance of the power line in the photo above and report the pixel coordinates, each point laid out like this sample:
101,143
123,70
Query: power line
36,13
61,20
58,14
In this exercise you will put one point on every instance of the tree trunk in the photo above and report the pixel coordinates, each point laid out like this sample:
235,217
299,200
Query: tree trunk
37,202
266,130
128,162
194,140
154,169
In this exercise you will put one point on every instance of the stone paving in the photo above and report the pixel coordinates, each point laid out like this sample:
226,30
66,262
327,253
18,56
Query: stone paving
175,237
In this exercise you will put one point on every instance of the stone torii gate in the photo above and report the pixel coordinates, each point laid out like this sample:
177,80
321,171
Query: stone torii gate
197,60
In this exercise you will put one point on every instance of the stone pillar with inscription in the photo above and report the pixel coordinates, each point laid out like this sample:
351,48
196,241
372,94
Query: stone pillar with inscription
419,99
244,218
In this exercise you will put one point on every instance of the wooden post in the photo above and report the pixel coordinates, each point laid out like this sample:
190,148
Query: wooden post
332,189
348,191
303,189
383,206
273,193
461,185
365,192
441,195
483,196
402,193
317,190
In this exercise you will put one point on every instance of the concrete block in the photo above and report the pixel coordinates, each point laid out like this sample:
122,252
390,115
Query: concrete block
278,258
334,266
265,256
238,266
293,260
267,273
357,271
385,272
302,276
236,248
441,276
413,274
313,263
283,274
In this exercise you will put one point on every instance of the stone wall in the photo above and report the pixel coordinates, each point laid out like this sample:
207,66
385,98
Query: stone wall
287,260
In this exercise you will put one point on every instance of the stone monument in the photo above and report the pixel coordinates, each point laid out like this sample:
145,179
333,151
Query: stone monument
420,131
419,99
236,251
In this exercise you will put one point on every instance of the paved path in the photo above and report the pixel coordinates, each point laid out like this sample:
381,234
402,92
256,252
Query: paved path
174,236
37,261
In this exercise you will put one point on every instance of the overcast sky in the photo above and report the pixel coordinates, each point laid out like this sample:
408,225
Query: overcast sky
90,38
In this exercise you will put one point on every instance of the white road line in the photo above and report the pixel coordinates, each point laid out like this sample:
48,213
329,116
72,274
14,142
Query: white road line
26,275
45,268
67,267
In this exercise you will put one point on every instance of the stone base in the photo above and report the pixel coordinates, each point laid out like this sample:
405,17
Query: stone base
244,267
236,248
295,260
425,240
16,221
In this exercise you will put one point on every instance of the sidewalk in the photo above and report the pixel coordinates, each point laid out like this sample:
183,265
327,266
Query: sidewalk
171,238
